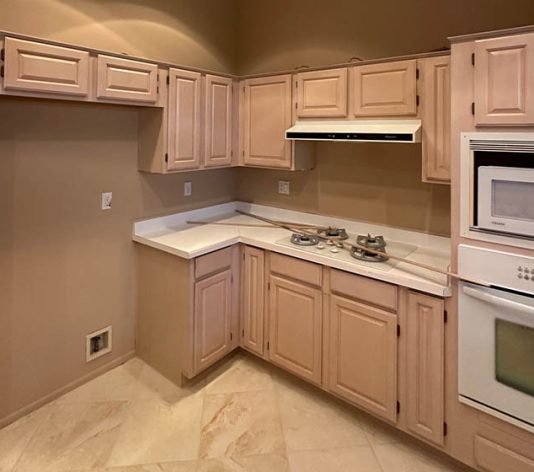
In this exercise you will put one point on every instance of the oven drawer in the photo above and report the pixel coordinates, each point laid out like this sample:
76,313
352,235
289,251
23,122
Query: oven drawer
492,457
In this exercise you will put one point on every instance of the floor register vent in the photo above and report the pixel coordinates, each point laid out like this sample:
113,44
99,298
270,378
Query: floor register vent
98,343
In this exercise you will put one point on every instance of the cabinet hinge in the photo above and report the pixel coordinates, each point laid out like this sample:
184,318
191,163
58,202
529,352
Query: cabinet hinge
472,108
243,332
231,153
417,100
2,71
473,59
445,429
243,256
232,279
243,153
296,85
268,345
398,331
398,408
268,285
231,336
2,54
168,80
166,157
417,74
445,316
296,105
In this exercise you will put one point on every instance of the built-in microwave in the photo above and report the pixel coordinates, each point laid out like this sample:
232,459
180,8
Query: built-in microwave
497,187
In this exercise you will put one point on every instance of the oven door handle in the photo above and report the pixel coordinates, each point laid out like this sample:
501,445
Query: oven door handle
498,301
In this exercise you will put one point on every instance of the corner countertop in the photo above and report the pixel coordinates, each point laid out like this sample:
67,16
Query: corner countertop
172,234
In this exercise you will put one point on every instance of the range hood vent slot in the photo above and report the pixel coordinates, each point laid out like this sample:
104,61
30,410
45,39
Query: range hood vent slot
382,131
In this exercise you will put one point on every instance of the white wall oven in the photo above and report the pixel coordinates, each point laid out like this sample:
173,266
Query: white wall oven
496,334
497,188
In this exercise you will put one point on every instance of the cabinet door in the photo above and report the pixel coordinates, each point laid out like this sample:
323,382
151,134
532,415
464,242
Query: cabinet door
363,356
425,366
295,322
504,80
123,79
184,120
213,308
253,296
436,116
386,89
218,141
38,67
322,94
266,116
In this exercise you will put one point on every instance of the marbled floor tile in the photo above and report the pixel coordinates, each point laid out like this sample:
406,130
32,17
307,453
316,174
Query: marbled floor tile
350,459
406,458
312,422
377,432
261,463
240,374
116,385
73,437
16,436
157,431
186,466
241,424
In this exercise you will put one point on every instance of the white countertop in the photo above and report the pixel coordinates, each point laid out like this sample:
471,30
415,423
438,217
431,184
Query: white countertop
172,234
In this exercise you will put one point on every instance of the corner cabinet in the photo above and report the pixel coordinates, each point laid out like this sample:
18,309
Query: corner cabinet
266,114
504,77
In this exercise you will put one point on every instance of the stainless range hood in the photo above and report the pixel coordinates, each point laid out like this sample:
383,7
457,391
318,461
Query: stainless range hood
381,131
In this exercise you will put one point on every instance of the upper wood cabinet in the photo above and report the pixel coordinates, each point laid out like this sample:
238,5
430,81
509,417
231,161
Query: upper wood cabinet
266,116
38,67
253,300
425,377
184,120
321,94
504,78
218,121
126,80
436,116
363,356
387,89
295,321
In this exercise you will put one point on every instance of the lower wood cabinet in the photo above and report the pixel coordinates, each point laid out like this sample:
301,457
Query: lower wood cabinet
425,366
363,356
295,322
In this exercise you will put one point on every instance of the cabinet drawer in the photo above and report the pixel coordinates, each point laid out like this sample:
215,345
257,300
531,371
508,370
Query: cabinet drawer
493,457
124,79
39,67
213,262
362,288
296,269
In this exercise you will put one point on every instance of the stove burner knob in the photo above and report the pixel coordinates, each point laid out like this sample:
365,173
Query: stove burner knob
527,278
334,250
526,271
519,276
520,269
320,246
329,243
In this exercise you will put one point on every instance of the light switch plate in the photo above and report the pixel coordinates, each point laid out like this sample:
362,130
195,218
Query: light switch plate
106,200
283,187
188,189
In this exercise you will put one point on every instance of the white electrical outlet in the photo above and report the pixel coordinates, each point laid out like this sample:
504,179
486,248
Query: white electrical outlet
188,189
106,200
283,187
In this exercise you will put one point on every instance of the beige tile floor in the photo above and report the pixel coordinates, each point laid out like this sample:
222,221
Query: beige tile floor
243,416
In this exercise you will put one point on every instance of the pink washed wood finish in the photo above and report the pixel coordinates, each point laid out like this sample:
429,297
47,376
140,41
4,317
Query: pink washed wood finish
184,120
436,115
295,322
266,116
253,299
322,94
297,269
218,122
124,79
38,67
493,457
212,319
213,262
387,89
363,356
425,352
504,80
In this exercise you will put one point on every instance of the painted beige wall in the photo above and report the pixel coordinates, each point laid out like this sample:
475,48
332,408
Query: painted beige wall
379,183
284,34
67,268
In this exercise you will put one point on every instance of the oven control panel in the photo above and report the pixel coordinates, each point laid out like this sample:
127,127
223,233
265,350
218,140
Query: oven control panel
498,268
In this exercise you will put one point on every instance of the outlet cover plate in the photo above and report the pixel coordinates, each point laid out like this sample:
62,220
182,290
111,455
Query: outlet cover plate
283,187
188,189
106,200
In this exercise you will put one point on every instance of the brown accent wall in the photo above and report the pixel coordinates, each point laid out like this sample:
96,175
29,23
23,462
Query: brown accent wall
379,183
67,267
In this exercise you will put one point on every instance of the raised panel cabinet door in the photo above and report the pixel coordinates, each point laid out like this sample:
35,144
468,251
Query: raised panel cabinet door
253,299
266,117
218,141
363,356
39,67
212,320
388,89
436,115
322,94
504,80
124,79
184,120
295,322
425,338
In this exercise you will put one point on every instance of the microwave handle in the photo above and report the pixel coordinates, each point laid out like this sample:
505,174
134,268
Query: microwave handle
498,301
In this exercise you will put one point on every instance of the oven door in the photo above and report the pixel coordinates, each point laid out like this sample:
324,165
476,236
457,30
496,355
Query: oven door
505,200
496,353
